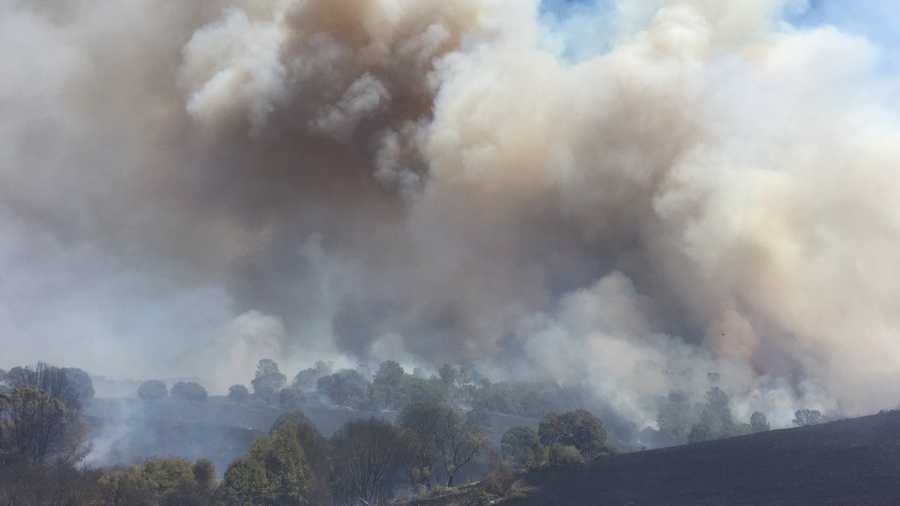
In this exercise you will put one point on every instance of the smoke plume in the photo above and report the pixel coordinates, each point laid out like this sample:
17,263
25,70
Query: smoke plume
699,187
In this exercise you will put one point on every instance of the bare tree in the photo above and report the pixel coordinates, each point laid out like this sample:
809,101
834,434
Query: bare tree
443,437
369,456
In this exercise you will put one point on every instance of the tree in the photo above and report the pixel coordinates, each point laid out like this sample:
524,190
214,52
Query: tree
442,437
564,455
30,485
759,422
715,420
159,482
274,472
716,414
449,375
71,386
36,428
306,379
675,418
387,388
205,474
238,393
189,391
245,484
369,456
521,447
127,487
700,432
345,388
152,390
268,379
81,385
168,475
430,390
290,398
578,428
287,472
316,449
807,417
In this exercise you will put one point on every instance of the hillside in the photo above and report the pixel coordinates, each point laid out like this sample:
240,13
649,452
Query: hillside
850,462
127,431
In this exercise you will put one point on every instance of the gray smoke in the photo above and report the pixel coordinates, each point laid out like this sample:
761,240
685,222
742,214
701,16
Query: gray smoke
703,189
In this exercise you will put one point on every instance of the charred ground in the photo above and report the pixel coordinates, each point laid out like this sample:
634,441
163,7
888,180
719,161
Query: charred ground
848,462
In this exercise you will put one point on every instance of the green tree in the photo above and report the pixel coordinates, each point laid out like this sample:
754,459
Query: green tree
127,487
274,472
158,482
316,449
345,388
245,484
38,429
168,475
285,463
268,379
521,447
578,428
306,379
388,387
71,386
564,455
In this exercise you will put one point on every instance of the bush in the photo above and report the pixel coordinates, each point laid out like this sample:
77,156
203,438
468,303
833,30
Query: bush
499,482
521,447
564,455
759,422
152,390
806,417
578,428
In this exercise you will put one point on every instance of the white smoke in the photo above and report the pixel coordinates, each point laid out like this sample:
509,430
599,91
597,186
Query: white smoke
707,189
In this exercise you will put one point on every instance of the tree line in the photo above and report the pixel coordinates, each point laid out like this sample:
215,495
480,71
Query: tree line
389,388
43,440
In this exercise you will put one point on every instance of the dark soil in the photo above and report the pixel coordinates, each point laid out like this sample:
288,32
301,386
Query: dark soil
853,462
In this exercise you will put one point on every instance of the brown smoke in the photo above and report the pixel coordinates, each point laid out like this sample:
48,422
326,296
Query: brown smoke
425,179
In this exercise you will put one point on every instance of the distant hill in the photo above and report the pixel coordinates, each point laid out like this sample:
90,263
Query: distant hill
854,462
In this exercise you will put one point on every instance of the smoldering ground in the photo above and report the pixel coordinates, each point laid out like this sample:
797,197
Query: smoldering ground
702,187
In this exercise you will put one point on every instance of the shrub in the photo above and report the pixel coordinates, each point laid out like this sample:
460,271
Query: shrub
564,455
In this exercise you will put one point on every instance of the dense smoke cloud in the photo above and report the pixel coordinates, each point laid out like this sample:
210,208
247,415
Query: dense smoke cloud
703,189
